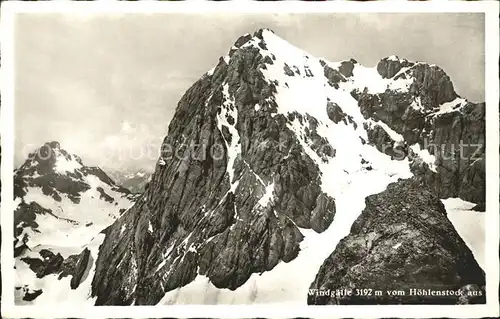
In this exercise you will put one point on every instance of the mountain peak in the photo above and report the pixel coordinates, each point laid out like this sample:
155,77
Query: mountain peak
392,58
57,172
300,138
262,32
53,145
258,36
60,208
51,162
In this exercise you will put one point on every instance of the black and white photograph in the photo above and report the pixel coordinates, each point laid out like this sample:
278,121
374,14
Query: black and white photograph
274,158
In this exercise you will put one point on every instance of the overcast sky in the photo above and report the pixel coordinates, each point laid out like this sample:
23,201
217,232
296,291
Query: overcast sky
107,86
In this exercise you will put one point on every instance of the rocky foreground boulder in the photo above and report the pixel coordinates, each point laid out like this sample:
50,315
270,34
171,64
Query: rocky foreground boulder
403,241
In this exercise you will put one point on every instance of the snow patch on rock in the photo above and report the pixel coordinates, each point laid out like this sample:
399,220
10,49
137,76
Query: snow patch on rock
451,106
425,156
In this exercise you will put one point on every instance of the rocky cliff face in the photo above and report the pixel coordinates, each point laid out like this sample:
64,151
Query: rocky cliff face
267,163
61,206
402,241
224,215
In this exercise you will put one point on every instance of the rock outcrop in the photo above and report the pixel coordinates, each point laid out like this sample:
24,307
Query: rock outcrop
403,240
49,264
57,172
432,116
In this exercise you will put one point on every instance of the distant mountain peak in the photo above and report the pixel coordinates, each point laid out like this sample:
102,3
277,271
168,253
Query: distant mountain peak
51,158
58,172
61,207
263,32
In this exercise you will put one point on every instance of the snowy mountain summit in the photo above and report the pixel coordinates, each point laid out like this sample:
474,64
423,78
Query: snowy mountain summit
291,162
62,206
134,180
